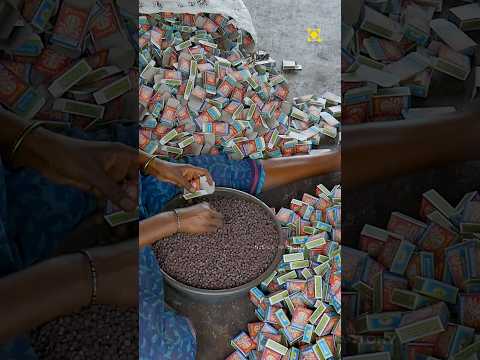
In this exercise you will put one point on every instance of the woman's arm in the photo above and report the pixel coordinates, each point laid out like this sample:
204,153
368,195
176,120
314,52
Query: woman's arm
375,151
63,285
200,218
12,126
157,227
142,158
37,145
178,174
283,171
43,292
95,166
197,219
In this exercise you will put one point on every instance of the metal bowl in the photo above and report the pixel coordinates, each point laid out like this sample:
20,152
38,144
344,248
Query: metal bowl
216,296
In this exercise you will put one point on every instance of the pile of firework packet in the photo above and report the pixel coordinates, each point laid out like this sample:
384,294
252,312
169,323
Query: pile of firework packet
391,50
203,90
412,291
67,61
299,304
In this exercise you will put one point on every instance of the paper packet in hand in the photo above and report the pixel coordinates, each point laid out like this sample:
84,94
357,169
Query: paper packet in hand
115,216
202,188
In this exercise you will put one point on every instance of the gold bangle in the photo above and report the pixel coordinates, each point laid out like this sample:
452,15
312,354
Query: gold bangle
148,162
25,132
19,140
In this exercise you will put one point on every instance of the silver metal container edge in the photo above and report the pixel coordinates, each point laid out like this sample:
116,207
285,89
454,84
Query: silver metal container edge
217,296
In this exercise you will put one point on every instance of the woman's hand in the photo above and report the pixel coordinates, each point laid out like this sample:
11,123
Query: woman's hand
98,167
199,219
180,175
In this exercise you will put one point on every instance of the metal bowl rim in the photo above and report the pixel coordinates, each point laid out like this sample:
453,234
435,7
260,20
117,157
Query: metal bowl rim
242,288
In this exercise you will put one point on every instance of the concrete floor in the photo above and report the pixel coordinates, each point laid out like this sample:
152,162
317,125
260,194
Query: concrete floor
282,31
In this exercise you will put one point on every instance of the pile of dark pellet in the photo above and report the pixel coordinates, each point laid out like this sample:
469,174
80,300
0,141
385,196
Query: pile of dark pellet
99,332
235,254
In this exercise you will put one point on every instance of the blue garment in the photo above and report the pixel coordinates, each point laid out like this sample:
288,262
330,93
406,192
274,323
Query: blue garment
163,333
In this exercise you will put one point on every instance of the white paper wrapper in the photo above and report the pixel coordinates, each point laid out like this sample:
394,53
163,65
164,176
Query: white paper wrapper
235,9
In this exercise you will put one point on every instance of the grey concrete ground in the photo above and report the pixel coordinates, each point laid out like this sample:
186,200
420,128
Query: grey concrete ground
282,31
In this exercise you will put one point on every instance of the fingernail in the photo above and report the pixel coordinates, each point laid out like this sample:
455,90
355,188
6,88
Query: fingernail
127,204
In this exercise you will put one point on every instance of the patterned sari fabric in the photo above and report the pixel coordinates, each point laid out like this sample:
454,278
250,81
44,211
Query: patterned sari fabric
164,334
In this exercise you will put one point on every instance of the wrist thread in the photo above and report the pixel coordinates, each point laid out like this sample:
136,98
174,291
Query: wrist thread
177,216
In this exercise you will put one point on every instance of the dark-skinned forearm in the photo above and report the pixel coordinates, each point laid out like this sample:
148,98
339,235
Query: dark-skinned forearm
283,171
37,145
157,167
143,157
157,227
43,292
12,126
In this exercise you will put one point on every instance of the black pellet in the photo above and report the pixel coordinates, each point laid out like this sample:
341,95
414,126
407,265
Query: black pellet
98,332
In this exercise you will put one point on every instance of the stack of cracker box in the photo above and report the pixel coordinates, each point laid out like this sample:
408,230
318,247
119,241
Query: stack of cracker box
203,90
391,50
70,62
299,305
